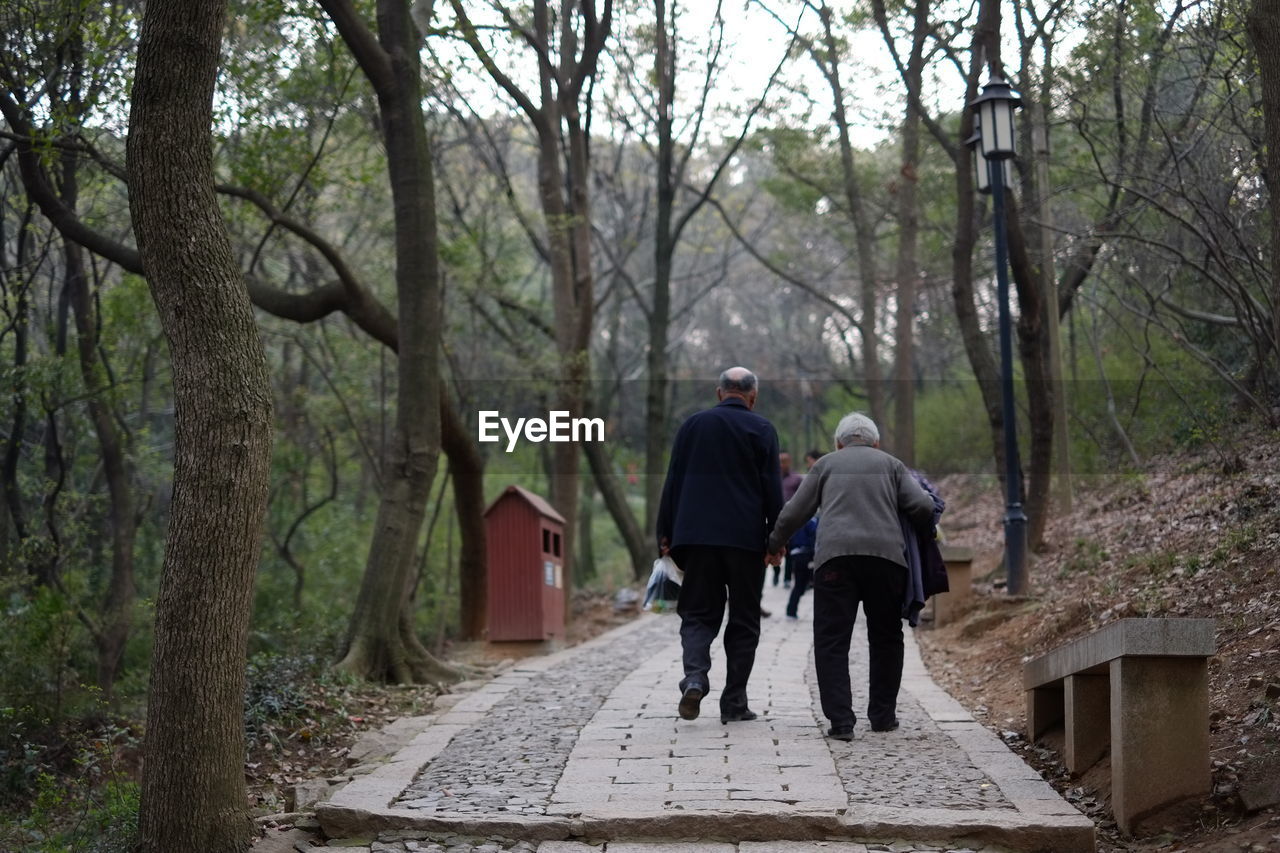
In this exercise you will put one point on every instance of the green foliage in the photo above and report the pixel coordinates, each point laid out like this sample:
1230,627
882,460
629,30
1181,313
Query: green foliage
1163,398
293,697
43,651
72,797
1086,555
277,689
952,433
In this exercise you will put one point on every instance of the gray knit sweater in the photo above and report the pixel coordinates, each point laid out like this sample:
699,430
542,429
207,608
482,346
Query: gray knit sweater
860,491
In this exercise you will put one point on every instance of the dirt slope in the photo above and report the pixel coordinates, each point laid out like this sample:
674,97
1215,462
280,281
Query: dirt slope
1194,535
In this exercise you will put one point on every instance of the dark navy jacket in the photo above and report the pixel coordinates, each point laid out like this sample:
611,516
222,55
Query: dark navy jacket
723,483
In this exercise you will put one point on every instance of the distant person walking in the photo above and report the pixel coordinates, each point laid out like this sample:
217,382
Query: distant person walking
721,498
790,482
860,558
800,551
800,558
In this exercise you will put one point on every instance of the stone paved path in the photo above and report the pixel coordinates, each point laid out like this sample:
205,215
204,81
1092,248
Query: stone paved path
582,750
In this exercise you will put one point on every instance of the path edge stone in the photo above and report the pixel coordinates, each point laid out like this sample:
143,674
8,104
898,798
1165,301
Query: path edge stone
1047,833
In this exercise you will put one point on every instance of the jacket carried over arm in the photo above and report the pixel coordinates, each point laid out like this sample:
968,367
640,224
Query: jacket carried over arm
861,490
926,571
723,483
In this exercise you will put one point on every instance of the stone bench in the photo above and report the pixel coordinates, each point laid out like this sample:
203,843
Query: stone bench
1140,687
959,578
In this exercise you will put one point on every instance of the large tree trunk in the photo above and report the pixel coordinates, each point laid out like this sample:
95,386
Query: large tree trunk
380,642
1264,31
193,790
903,441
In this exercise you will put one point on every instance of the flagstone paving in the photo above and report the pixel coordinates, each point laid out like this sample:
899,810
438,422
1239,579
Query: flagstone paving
582,750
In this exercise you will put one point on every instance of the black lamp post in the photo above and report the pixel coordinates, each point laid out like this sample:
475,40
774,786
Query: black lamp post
995,140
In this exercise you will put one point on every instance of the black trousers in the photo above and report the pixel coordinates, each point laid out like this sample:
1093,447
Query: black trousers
714,576
840,584
784,571
803,567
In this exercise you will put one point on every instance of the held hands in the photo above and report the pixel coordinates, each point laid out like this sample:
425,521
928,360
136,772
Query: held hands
664,547
775,559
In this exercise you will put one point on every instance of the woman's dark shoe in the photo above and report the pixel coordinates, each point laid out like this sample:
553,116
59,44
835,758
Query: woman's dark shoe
891,727
746,715
690,702
840,732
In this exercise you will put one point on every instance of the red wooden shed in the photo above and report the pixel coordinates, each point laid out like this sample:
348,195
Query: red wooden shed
526,567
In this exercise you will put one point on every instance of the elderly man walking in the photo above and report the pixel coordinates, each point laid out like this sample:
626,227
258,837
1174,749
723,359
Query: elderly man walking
720,500
860,558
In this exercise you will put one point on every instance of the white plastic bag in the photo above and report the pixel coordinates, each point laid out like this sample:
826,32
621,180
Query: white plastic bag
664,569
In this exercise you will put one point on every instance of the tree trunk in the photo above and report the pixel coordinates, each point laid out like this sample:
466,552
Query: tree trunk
18,424
117,606
586,548
903,441
566,486
863,231
380,642
981,360
608,483
563,192
656,396
1033,347
1263,23
466,469
193,789
639,547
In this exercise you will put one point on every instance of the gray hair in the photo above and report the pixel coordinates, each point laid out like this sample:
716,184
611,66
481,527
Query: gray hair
856,428
737,380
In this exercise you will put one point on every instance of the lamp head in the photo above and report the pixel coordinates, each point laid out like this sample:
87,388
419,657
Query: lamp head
994,119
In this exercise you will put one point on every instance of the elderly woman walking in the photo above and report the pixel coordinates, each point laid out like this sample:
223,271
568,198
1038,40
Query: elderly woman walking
860,558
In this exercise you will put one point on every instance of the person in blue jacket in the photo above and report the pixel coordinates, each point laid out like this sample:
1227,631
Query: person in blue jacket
722,495
800,550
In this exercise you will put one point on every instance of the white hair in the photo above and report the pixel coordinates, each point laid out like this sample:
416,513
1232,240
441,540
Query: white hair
856,428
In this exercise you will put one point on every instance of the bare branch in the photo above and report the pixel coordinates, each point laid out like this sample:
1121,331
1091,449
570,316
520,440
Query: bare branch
780,272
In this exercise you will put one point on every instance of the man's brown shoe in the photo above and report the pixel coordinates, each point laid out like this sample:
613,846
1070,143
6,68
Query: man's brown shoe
690,702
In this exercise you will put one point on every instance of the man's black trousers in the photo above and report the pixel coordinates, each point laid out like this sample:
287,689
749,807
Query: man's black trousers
838,587
713,576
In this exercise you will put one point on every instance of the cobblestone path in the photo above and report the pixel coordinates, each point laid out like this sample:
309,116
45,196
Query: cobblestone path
583,751
511,763
933,768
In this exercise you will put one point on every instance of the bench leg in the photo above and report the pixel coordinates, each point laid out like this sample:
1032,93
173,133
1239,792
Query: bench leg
1088,720
1044,710
1159,734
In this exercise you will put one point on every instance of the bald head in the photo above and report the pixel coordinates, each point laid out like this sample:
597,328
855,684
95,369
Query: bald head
738,382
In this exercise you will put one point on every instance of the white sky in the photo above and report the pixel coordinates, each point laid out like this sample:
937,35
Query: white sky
755,43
